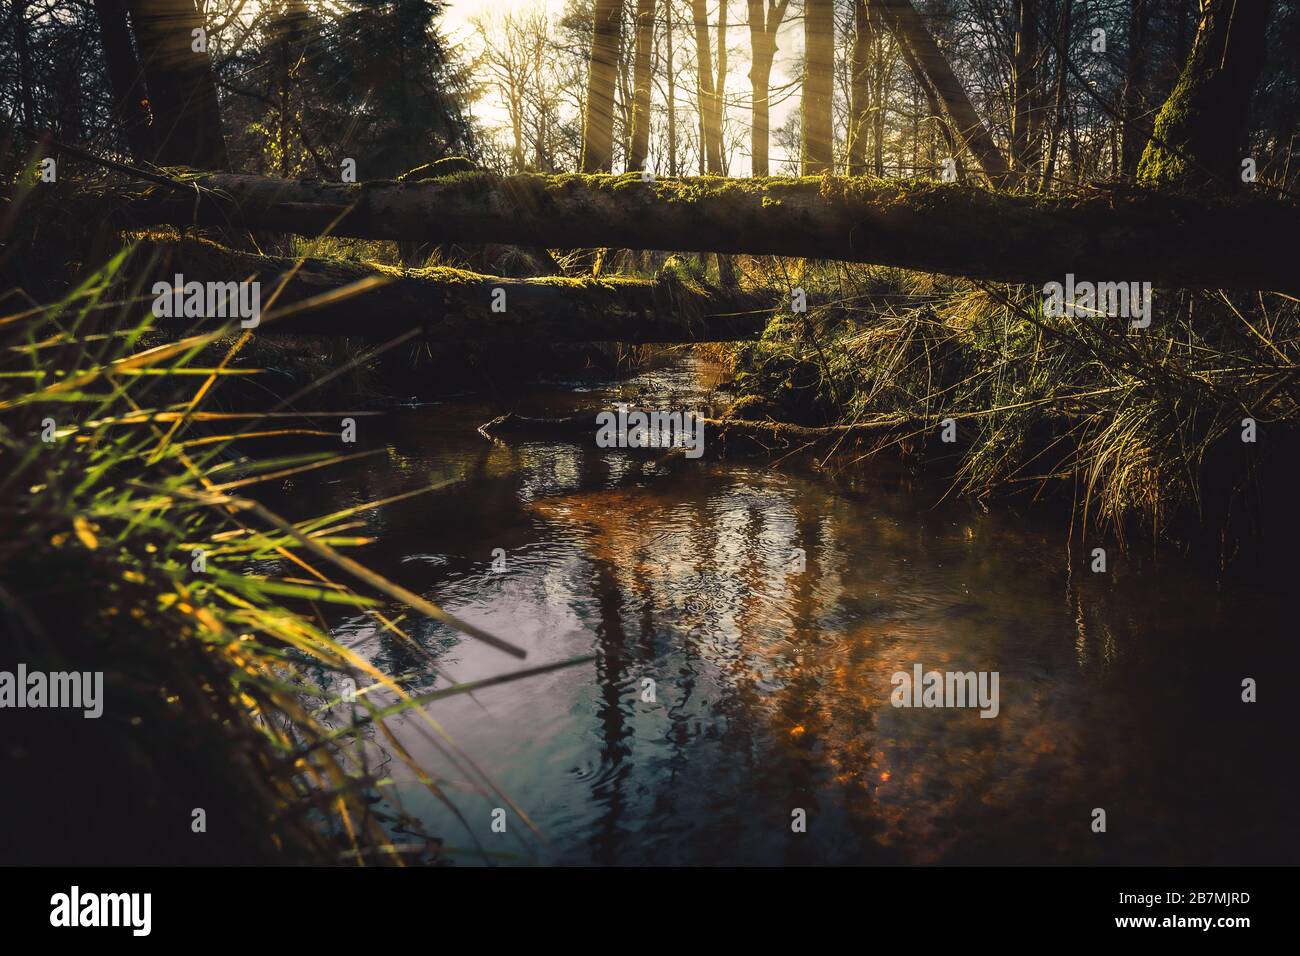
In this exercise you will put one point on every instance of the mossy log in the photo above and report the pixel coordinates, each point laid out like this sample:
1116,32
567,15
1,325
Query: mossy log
452,305
1122,234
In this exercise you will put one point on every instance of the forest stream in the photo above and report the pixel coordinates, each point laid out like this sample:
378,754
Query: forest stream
734,684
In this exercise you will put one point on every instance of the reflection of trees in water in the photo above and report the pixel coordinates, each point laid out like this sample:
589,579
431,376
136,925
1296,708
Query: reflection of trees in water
709,570
611,674
773,687
799,712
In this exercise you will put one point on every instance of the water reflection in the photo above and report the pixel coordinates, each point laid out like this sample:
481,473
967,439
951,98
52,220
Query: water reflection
771,685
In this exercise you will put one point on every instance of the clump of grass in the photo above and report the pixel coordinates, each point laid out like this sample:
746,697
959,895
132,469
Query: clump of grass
1138,428
129,544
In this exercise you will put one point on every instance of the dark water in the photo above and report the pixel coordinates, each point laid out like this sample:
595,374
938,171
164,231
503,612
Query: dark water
1119,691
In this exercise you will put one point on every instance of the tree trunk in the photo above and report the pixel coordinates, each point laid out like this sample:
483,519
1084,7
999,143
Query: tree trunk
26,76
645,33
762,41
882,68
126,79
672,89
726,271
1136,131
452,306
720,89
598,119
860,89
932,105
182,91
1137,235
968,127
1058,110
1197,140
760,136
1025,149
817,155
710,132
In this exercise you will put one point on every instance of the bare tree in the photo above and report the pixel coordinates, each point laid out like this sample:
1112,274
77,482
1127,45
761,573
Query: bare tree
1058,109
720,88
511,47
710,117
763,25
671,74
970,130
1026,150
816,154
645,30
598,120
859,89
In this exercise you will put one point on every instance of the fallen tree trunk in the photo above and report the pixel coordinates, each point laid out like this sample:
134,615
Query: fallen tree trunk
452,306
1112,235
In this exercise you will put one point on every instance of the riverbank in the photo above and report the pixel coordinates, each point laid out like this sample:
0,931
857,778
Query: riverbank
1182,431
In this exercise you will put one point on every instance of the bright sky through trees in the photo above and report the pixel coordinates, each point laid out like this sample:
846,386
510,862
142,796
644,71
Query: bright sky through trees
459,16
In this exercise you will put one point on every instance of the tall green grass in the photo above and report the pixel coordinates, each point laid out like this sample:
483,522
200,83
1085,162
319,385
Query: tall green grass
222,683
